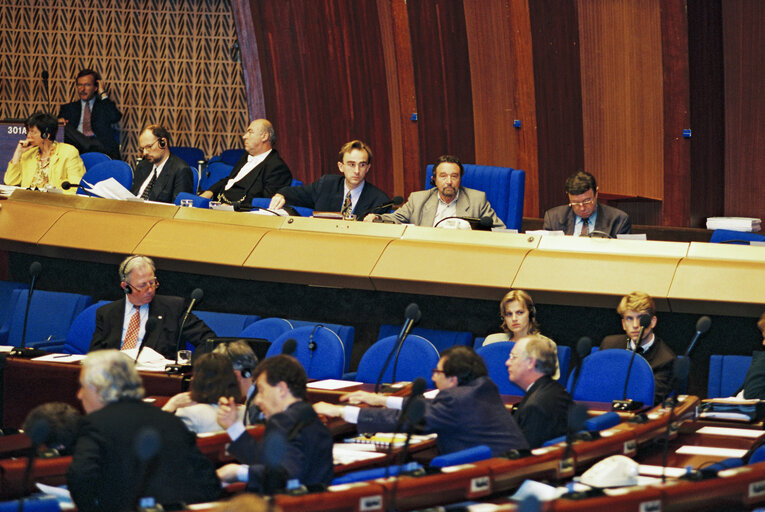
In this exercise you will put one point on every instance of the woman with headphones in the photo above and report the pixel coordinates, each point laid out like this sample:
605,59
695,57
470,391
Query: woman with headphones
40,161
518,314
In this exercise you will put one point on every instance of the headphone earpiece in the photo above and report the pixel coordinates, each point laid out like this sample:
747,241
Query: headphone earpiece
247,373
162,143
433,178
127,289
45,134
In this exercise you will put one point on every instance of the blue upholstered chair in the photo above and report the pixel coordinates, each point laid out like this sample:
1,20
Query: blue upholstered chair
32,504
190,155
226,324
91,159
466,456
595,424
603,374
726,374
267,328
197,201
346,333
439,338
7,303
364,475
116,169
495,355
50,315
213,173
81,331
263,202
231,156
418,357
727,236
504,187
319,350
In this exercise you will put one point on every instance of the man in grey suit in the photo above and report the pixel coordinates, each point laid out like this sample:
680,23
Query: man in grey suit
583,214
447,200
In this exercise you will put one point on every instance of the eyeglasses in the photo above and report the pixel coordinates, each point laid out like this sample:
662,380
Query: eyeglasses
586,202
360,165
513,357
147,147
436,370
154,284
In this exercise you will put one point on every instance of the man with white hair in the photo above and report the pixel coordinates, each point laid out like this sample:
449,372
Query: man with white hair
122,323
128,449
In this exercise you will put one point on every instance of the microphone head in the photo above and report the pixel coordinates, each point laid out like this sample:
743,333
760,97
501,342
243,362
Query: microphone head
151,323
289,347
645,320
147,443
44,75
197,294
412,312
418,386
583,347
35,268
703,324
416,410
65,185
397,200
486,222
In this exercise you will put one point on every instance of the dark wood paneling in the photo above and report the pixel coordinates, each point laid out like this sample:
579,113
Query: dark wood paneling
499,44
557,86
442,78
677,150
744,58
324,82
705,55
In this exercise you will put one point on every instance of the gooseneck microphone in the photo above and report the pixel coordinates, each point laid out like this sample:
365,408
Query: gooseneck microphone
151,323
146,447
702,326
196,296
21,351
484,223
396,201
37,433
624,404
67,185
583,349
412,316
680,369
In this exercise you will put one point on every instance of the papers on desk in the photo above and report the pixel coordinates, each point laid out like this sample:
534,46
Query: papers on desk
109,189
381,440
5,349
731,432
710,451
749,224
343,453
150,360
61,358
332,384
261,211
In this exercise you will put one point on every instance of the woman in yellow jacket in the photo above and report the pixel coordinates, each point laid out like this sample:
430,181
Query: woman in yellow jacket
39,160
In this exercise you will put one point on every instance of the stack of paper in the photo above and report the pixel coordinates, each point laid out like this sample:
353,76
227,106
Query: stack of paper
110,189
749,224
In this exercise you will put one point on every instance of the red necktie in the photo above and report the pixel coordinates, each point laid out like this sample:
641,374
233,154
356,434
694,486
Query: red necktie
131,336
87,128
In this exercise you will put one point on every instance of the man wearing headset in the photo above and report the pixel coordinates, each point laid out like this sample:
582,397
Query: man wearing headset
160,176
467,411
244,362
90,120
447,199
122,324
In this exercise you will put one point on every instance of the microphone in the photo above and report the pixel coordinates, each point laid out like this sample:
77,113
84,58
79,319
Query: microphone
66,185
577,415
484,223
583,349
146,447
289,347
680,369
393,202
414,413
413,315
196,295
626,404
702,326
21,351
418,388
37,432
151,323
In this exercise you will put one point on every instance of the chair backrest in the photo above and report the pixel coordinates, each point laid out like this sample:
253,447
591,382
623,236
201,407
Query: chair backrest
564,361
231,156
346,333
50,315
603,374
495,355
267,328
91,159
7,300
296,183
195,177
214,172
196,201
504,188
418,357
226,324
728,236
116,169
81,331
32,504
190,155
726,374
319,350
439,338
263,202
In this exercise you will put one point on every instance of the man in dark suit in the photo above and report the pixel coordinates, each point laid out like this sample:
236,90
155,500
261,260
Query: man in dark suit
658,354
128,449
261,172
296,445
467,411
122,323
543,412
160,176
90,120
244,361
583,214
349,194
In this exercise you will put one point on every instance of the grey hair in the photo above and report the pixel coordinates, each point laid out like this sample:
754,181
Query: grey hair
241,355
133,262
113,376
544,351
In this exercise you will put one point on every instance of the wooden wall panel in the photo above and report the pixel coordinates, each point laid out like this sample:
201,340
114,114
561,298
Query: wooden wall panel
324,82
558,93
622,99
442,77
744,54
499,45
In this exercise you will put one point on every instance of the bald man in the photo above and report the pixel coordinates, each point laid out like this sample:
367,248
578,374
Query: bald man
259,173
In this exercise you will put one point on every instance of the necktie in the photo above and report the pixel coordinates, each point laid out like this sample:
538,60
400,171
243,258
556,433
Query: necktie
347,205
131,336
87,128
585,227
147,190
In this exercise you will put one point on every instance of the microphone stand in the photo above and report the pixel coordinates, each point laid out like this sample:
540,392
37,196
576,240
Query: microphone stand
413,315
626,404
22,351
196,295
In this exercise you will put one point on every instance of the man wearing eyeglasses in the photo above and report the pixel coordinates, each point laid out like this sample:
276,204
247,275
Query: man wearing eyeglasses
122,324
583,215
349,193
160,176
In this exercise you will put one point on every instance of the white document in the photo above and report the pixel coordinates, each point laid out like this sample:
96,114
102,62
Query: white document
150,360
332,384
109,189
731,432
61,358
710,451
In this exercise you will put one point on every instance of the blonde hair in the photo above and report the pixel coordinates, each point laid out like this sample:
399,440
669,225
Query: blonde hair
640,302
524,298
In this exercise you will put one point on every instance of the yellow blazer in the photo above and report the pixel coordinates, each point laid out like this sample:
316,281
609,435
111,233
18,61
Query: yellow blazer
65,165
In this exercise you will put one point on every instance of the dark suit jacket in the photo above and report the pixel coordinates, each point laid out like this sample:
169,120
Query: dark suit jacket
169,312
543,412
754,381
102,117
421,207
610,220
463,417
326,195
175,178
307,457
105,472
265,180
659,356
